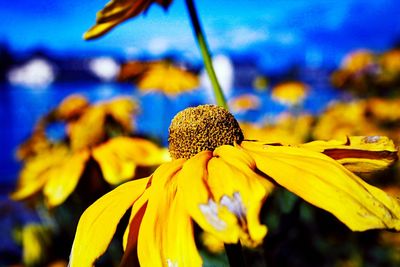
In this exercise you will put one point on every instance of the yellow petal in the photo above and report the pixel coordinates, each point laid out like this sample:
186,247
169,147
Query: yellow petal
35,241
153,234
116,12
37,171
88,130
358,153
325,183
119,157
233,181
98,223
122,110
201,204
115,162
64,178
72,106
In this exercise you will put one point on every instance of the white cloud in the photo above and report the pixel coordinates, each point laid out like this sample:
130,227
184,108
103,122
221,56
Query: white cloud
104,67
37,73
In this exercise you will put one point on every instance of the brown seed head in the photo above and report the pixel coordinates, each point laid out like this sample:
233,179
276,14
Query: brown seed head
202,128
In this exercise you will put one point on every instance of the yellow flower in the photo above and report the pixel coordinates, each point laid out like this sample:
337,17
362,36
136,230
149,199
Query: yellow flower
161,76
220,181
358,60
384,110
118,11
244,103
342,119
290,93
288,129
94,133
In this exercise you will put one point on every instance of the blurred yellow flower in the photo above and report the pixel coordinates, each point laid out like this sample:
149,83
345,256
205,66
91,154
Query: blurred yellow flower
118,11
161,76
373,116
384,110
244,103
220,181
97,132
344,118
358,60
290,93
287,129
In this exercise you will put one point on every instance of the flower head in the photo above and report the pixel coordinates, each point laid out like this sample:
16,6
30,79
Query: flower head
219,180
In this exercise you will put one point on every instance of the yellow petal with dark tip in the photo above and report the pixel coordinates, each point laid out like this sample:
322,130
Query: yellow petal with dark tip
98,223
117,11
358,153
325,183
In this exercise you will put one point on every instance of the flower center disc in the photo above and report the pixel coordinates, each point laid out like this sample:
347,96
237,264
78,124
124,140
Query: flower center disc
202,128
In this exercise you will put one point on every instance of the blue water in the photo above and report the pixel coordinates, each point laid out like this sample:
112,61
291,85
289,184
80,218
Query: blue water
21,107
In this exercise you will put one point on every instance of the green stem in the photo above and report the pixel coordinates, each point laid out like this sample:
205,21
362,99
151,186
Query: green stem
201,40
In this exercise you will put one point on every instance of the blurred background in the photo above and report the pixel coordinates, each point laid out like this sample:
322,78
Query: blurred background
292,71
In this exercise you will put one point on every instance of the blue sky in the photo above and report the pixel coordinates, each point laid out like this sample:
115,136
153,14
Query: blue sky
274,27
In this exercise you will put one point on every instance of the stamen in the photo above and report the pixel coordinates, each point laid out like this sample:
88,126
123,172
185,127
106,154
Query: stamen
210,212
234,204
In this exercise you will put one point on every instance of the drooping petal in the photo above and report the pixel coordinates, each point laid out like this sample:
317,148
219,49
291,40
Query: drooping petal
37,171
201,204
115,161
98,223
233,181
180,249
64,178
88,130
116,12
166,230
122,110
325,183
358,153
119,157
